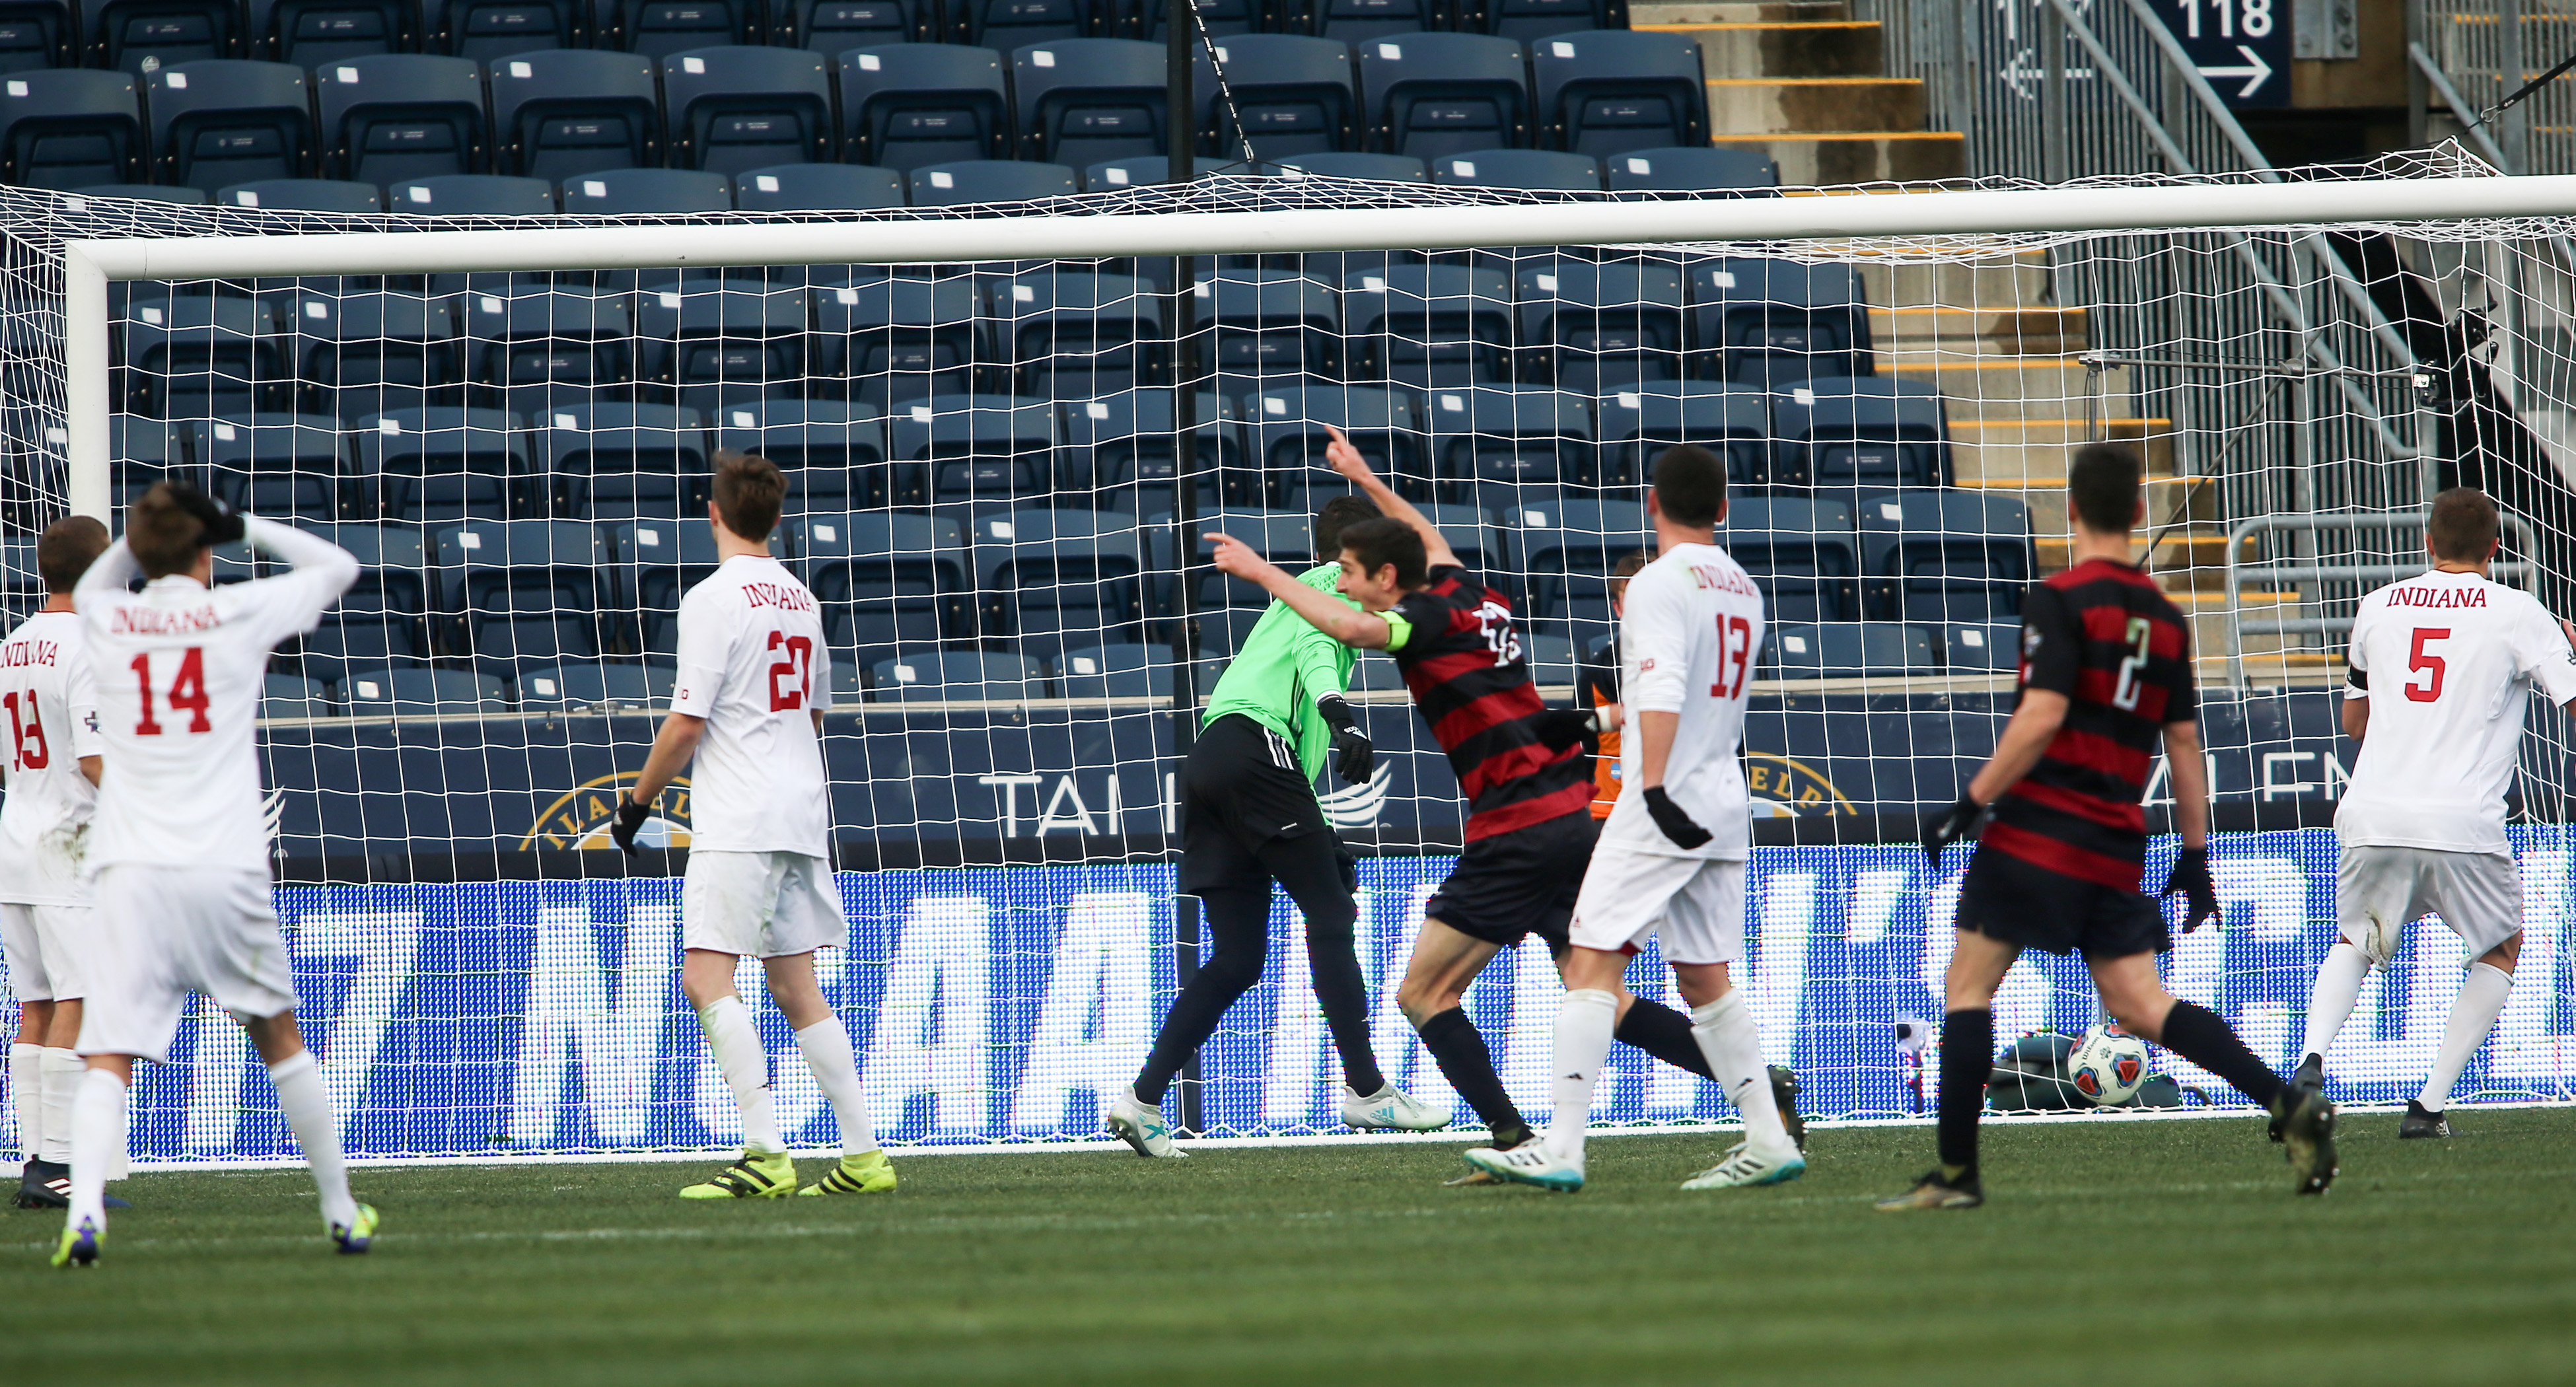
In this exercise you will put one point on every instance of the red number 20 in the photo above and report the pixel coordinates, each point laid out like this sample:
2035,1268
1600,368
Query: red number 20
1735,645
187,692
796,668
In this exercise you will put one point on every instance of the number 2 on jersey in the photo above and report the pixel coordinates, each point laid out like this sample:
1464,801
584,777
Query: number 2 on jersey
796,668
187,692
1734,646
2420,661
27,737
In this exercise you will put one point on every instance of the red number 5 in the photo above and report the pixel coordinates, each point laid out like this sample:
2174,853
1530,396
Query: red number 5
2422,661
796,668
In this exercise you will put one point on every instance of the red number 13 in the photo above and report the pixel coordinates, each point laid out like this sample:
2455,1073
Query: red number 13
1735,645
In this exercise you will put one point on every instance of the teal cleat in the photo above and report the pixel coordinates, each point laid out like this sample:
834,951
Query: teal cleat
357,1235
1530,1163
1741,1169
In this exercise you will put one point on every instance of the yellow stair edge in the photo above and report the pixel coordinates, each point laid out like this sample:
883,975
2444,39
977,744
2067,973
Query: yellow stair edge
1957,425
1815,81
1756,24
2059,483
1848,135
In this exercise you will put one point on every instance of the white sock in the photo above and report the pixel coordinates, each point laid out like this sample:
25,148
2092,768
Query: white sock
2338,987
27,1098
827,1052
745,1066
2482,997
63,1070
1583,1027
98,1141
1732,1042
306,1101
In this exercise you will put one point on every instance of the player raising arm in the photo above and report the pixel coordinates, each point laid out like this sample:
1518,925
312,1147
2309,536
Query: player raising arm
748,705
2422,826
178,843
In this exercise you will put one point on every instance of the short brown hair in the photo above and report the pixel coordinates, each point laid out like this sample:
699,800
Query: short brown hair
749,491
2463,526
1630,565
66,550
1337,515
1377,543
162,536
2102,486
1690,485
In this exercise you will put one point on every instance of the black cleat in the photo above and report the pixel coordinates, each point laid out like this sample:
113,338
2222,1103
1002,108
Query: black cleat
1934,1192
2307,1122
2418,1124
2310,1075
1784,1093
43,1185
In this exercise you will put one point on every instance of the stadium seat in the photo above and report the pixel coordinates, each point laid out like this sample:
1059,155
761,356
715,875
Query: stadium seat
529,352
403,116
1285,537
312,32
1532,20
894,340
710,345
472,195
1074,335
957,676
1429,325
1358,21
37,34
1057,578
363,354
1498,448
69,128
1143,170
1981,648
1383,168
522,594
817,188
1117,452
888,582
1595,328
197,355
1010,24
1292,94
1145,19
1875,432
1801,554
1434,94
1691,171
302,195
837,26
1470,532
444,463
140,452
731,109
283,466
226,121
409,692
1637,423
1773,324
1269,326
1848,650
381,621
490,30
833,452
566,688
1080,101
907,106
983,448
1564,553
615,462
989,180
294,696
656,562
1286,426
1605,92
1545,169
659,28
1944,557
1116,671
145,35
556,115
147,192
647,192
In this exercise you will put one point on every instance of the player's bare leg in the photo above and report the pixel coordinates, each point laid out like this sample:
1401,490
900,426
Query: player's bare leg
1432,997
825,1044
764,1171
2483,993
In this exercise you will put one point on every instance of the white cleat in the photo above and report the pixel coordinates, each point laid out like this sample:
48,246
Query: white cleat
1740,1168
1144,1127
1530,1163
1390,1109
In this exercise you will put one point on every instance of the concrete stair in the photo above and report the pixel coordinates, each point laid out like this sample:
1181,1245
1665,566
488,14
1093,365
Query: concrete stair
1802,81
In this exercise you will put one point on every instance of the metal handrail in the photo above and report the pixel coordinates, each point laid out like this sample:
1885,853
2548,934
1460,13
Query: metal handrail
2241,572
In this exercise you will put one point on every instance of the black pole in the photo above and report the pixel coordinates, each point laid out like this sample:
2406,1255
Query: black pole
1180,25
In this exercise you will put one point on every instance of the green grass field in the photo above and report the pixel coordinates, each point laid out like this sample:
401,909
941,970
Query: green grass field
2150,1252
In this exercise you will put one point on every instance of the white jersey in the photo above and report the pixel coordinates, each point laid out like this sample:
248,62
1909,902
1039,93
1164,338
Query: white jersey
46,694
2447,661
178,673
753,664
1688,635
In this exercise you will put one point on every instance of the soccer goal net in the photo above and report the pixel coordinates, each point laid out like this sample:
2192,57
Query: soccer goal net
1006,429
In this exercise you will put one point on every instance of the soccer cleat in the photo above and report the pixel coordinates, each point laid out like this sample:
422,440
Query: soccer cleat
1478,1177
2418,1124
358,1234
1784,1093
80,1244
1143,1126
1739,1168
2311,1074
2307,1123
1390,1109
758,1175
48,1185
1935,1192
868,1172
1530,1163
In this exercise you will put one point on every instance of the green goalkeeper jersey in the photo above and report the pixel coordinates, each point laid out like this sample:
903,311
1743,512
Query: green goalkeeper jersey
1283,667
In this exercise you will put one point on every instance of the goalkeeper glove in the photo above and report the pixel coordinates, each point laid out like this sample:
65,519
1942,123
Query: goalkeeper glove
1674,820
1559,728
1353,757
630,817
222,524
2190,876
1949,826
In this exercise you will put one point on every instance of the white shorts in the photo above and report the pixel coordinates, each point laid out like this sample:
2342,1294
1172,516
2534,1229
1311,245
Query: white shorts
760,904
2379,891
1695,903
162,933
41,943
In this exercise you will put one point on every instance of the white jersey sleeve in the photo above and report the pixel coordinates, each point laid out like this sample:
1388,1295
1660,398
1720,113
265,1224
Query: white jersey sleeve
753,664
2541,652
49,716
1689,632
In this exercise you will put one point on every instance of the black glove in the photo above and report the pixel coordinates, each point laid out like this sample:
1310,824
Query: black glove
1676,822
1559,728
223,524
1353,757
1949,826
2190,876
630,817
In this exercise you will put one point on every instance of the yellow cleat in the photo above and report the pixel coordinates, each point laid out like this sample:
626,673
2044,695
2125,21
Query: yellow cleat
869,1172
758,1175
79,1247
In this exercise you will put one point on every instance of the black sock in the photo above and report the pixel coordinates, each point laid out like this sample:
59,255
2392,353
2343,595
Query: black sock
1967,1060
2197,1034
1663,1033
1237,921
1469,1067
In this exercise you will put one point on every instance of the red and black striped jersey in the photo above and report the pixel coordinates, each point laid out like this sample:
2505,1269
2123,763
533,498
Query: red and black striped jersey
2105,636
1461,655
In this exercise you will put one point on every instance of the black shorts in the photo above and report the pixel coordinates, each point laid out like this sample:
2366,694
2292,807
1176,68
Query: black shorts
2003,897
1240,789
1519,883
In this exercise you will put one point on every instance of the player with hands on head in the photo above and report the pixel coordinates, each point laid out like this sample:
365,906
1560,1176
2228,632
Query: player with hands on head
747,709
2105,679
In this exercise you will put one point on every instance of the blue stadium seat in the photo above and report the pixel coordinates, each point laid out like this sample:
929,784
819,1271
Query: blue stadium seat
837,26
409,692
1010,24
1596,328
1801,553
888,582
1383,168
1269,326
1545,169
294,696
472,195
834,453
1773,324
1293,95
144,35
983,448
1532,20
1080,101
147,192
1117,450
283,466
403,116
1429,325
226,121
1848,650
1138,171
384,619
892,340
731,109
659,28
444,464
69,128
489,30
1974,648
955,676
1498,448
989,180
302,195
817,188
532,351
1145,19
1358,21
906,106
523,594
141,452
1434,94
1057,578
1286,427
309,32
605,686
1607,91
197,355
556,115
1116,671
645,192
1075,335
37,34
615,462
368,354
1874,432
1691,171
707,345
656,562
1470,532
1641,421
1564,553
1285,537
1945,557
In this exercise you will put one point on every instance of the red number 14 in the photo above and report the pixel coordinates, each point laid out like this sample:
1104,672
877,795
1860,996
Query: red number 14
187,692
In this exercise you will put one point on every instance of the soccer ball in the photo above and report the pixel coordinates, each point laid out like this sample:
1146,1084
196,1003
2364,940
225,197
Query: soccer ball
2107,1065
